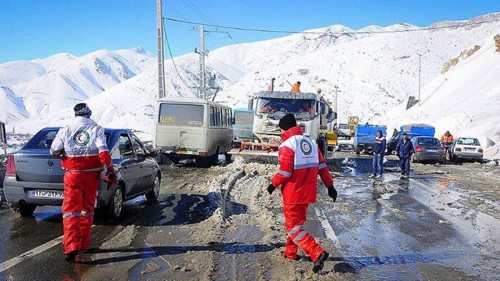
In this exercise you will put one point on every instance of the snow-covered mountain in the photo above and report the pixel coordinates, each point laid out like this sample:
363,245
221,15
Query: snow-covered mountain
44,86
375,68
464,100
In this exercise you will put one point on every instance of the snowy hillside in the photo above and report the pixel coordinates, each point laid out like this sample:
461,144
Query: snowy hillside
375,72
44,86
465,100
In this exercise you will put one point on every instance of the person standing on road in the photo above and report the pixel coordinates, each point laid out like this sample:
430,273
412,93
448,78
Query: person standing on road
82,146
446,141
404,151
296,87
300,163
378,155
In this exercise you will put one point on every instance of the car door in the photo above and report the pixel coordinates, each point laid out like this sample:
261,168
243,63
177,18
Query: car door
129,166
145,166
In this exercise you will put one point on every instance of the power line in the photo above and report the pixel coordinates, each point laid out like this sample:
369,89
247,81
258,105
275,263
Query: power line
332,33
172,57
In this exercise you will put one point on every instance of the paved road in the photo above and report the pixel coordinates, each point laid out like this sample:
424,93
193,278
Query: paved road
391,229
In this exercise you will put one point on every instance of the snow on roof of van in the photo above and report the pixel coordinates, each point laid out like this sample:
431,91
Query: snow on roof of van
190,101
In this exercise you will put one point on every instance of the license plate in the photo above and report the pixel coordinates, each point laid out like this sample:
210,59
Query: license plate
470,149
58,194
181,151
432,150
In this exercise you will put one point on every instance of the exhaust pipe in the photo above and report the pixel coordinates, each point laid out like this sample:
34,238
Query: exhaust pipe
271,89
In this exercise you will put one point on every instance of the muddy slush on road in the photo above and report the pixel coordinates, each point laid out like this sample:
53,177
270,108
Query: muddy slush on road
221,224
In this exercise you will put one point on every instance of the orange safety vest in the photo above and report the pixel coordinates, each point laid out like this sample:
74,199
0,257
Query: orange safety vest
445,138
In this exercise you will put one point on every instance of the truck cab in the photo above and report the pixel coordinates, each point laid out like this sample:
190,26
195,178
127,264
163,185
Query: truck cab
311,110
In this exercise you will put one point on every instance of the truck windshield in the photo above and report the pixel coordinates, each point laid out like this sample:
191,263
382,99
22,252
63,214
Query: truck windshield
243,117
181,114
302,109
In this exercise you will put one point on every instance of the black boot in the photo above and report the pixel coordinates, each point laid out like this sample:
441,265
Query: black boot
320,262
71,256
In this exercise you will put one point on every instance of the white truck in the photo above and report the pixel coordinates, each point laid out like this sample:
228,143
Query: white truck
311,110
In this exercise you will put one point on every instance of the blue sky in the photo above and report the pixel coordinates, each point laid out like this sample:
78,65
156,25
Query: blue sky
32,29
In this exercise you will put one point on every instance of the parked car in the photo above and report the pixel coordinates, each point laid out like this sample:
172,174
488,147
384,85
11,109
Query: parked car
393,141
344,131
466,149
34,177
427,149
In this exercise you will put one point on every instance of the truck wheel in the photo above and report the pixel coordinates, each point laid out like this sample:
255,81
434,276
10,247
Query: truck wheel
358,150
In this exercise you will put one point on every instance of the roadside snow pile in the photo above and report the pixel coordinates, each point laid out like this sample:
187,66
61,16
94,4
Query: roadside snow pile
464,100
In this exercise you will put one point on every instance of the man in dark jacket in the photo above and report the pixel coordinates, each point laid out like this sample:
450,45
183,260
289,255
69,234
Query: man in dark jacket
404,151
378,155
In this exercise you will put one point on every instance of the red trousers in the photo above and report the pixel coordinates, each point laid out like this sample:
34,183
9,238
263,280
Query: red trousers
80,190
295,217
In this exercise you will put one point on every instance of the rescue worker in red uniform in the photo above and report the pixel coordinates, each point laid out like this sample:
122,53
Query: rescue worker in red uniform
82,146
300,163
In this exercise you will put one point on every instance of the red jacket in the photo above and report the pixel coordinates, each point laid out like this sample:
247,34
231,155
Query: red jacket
300,163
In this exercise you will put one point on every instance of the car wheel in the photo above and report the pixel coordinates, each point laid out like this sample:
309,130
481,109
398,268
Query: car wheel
413,159
26,210
358,150
154,193
116,204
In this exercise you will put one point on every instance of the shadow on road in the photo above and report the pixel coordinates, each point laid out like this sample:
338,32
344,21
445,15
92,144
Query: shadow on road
149,252
355,264
172,209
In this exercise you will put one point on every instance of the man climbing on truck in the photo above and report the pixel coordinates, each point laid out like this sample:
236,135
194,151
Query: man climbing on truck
296,87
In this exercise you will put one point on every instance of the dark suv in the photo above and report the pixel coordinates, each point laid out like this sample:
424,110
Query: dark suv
33,177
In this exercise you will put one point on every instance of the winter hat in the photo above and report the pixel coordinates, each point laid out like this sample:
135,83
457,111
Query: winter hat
287,121
82,109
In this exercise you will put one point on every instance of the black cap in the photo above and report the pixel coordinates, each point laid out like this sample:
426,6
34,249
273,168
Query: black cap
287,122
82,109
405,134
298,82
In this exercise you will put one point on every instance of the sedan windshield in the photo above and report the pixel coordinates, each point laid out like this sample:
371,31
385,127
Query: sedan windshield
302,109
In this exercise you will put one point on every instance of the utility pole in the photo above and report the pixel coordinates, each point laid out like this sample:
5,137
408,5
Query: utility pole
419,75
161,68
203,86
202,53
336,98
